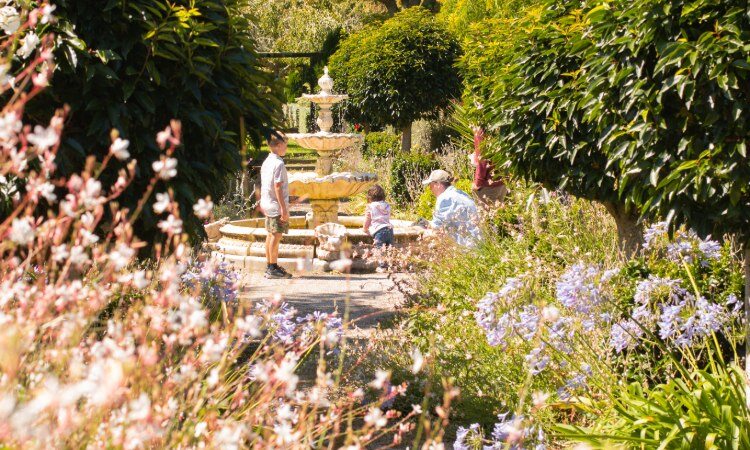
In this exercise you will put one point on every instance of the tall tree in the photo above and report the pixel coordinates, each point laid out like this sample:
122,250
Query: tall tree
398,72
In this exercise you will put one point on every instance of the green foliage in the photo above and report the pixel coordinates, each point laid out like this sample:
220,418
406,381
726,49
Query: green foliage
407,172
676,87
398,72
135,65
638,102
542,133
706,410
545,234
426,201
380,144
460,15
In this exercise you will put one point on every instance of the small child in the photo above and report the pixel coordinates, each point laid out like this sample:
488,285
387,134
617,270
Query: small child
378,219
274,201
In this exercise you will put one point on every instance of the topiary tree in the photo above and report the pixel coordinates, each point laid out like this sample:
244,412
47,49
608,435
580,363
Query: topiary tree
521,77
398,72
134,65
671,109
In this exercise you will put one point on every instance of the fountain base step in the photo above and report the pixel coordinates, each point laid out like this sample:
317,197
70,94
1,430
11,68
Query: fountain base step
242,245
295,266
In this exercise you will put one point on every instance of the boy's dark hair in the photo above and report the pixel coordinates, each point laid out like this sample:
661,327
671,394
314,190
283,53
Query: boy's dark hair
375,194
274,137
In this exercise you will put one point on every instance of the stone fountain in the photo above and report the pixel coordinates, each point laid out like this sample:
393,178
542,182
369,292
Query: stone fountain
317,238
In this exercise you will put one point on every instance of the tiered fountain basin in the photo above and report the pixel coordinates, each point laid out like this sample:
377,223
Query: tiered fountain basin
242,244
311,186
325,142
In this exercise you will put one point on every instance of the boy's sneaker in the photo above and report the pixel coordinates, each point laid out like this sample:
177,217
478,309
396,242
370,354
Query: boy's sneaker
273,272
277,272
283,271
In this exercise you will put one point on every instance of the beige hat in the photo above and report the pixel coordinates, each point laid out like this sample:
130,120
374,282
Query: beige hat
438,175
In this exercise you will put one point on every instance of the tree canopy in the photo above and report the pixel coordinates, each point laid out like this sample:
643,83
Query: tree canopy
633,104
133,66
398,72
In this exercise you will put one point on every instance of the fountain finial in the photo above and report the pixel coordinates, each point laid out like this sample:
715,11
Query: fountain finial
325,82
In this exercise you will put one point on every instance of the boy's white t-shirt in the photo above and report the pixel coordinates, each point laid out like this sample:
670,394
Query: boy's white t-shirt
273,171
380,216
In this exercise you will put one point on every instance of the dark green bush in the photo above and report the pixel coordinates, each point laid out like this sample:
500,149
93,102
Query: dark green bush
133,66
380,144
407,172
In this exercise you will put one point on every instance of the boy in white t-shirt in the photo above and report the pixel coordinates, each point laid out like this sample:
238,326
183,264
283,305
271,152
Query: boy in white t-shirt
274,201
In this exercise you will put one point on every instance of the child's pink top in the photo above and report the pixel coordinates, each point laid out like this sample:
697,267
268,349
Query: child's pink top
379,215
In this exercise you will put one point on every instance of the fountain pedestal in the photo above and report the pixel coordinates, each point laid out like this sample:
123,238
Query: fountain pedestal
324,211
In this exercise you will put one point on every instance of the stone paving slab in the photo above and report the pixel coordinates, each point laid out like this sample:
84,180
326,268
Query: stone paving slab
373,298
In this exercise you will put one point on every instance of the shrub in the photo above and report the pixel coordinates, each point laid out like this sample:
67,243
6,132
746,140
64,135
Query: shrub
380,144
407,172
426,201
398,72
134,66
706,409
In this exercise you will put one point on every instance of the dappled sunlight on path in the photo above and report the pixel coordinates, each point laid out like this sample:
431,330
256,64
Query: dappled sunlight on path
373,298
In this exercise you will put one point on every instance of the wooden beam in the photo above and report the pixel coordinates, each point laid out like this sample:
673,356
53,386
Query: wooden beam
289,54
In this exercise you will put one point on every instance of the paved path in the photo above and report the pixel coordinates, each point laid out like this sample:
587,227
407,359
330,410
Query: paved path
373,298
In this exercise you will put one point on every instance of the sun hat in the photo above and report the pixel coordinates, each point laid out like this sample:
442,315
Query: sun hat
438,175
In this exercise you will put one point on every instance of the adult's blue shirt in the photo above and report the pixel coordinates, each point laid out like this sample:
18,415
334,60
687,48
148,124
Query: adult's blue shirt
456,215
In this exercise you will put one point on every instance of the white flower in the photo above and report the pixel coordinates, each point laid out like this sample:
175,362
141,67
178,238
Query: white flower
78,256
200,428
47,190
539,399
250,325
212,350
121,256
10,20
375,418
47,11
40,79
550,314
88,238
203,208
381,377
284,435
10,126
165,168
213,377
119,149
418,360
162,202
172,225
139,280
417,409
28,44
60,253
43,138
163,136
140,408
21,231
229,437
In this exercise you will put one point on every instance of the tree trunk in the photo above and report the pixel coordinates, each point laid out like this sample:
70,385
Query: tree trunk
629,231
406,138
